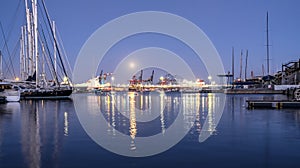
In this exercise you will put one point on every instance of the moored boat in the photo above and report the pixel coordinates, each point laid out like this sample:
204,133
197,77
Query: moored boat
35,56
46,93
9,92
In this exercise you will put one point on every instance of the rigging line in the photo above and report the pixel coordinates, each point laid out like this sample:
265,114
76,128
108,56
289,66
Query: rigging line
59,65
45,23
6,47
65,54
49,36
45,56
45,53
55,41
5,63
59,75
52,62
13,21
49,53
14,54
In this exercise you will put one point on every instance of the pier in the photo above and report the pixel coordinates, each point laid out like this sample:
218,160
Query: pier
272,104
253,91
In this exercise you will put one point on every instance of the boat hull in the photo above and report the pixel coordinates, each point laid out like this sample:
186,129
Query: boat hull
13,98
46,94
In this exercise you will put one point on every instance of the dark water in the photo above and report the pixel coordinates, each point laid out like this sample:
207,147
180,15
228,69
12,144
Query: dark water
47,133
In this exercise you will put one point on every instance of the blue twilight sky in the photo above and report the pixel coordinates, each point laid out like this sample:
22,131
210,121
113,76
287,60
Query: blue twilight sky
228,23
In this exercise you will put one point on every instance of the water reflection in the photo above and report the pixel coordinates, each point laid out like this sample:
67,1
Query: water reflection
44,124
66,124
124,112
30,135
6,116
41,133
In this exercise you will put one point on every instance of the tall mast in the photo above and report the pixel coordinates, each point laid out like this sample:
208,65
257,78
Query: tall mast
241,65
268,51
35,24
25,63
43,74
54,50
29,40
232,64
22,54
246,65
1,70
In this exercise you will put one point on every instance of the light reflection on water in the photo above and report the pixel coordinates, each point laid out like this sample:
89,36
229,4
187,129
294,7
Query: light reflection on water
48,134
37,127
146,114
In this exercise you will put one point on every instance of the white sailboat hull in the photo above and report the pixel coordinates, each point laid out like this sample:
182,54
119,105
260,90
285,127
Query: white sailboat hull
13,98
10,92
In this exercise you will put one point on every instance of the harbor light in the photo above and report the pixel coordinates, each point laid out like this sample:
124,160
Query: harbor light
209,78
112,80
17,79
65,80
161,78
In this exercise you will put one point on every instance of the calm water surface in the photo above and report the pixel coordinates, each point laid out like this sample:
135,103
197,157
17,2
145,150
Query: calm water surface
47,133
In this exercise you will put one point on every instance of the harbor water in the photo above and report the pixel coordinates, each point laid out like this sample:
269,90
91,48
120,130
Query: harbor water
49,133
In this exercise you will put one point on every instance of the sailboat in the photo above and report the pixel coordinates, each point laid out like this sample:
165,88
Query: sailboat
35,55
9,92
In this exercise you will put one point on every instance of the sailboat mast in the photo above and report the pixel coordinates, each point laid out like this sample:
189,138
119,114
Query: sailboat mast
1,67
54,50
25,58
29,40
241,65
35,30
22,53
268,51
246,65
232,64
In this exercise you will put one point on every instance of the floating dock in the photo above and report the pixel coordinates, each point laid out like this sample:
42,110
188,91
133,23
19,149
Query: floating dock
272,104
253,91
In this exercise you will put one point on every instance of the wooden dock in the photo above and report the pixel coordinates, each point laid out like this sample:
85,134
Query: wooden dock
272,104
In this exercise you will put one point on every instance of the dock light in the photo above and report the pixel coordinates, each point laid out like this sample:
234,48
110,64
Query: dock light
17,79
209,78
161,78
65,79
